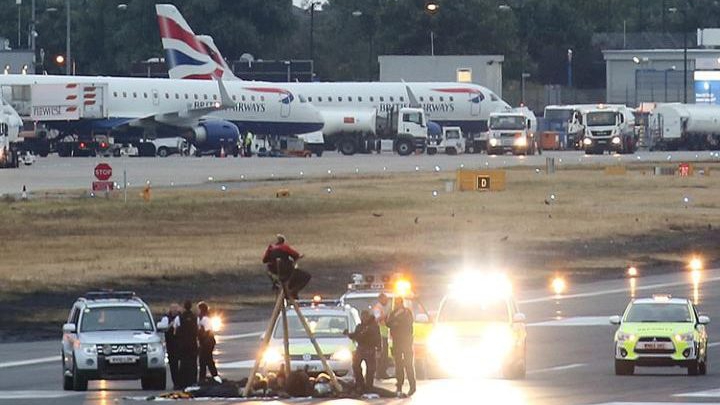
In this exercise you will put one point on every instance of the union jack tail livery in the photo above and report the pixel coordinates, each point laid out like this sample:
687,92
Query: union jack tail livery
189,56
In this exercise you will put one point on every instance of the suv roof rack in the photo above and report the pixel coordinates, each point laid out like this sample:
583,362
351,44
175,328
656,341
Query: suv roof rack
327,303
109,294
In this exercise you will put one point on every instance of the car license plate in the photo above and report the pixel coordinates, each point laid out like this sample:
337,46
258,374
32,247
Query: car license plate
654,346
602,142
507,142
122,359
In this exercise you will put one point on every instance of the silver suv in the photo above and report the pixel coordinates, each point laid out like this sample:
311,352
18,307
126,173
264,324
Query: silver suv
112,336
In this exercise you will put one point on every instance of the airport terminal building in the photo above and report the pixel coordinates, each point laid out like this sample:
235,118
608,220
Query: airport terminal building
485,70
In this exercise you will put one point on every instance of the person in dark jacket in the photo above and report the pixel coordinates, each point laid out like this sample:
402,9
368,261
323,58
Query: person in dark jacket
400,321
186,335
206,339
367,336
281,260
171,343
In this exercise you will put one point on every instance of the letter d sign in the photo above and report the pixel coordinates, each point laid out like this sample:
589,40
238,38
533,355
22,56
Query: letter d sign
483,182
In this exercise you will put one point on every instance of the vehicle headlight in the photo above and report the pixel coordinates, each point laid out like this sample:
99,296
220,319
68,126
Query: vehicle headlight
493,142
685,337
272,356
441,340
587,141
90,350
616,140
502,339
154,347
342,355
521,141
625,337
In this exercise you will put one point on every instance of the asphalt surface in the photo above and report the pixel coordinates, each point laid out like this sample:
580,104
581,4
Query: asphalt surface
55,173
569,358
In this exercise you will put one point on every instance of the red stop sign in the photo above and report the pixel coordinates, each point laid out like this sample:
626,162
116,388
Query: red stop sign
103,171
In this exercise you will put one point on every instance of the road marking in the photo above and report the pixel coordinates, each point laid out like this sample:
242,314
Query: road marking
713,344
36,394
240,336
714,393
658,403
576,321
30,362
557,368
613,291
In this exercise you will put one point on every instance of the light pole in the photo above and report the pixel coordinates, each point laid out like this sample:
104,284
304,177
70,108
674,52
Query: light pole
358,14
313,3
431,8
19,3
523,76
569,67
68,58
685,47
287,65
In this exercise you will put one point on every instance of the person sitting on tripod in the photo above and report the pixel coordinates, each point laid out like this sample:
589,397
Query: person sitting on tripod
281,260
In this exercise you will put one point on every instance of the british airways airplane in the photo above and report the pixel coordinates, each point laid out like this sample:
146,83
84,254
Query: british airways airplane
203,111
341,104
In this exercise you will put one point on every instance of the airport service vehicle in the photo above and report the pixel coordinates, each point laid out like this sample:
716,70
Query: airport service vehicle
478,330
608,128
363,293
345,107
10,124
450,141
327,321
112,336
171,146
556,123
687,126
513,132
661,331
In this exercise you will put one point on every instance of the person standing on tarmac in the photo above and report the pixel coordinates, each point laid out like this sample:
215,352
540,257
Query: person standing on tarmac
281,259
171,344
367,336
400,321
206,339
379,311
186,334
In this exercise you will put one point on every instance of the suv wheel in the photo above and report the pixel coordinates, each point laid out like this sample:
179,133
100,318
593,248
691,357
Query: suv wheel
694,367
154,382
79,383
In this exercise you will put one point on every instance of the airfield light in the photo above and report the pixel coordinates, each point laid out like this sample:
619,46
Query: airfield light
559,285
316,299
696,264
632,271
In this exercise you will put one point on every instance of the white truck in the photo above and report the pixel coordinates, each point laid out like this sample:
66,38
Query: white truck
513,131
450,141
10,124
360,131
608,128
687,126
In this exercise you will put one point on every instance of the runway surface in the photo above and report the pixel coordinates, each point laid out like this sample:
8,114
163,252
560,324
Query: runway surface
569,357
55,173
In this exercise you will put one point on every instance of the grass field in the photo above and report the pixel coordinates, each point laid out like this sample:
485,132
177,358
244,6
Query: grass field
596,222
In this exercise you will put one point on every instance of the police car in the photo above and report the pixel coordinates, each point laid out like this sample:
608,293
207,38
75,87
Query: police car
111,336
478,330
327,320
661,331
363,293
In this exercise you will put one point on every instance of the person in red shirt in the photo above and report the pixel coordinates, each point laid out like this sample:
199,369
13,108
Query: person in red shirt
281,260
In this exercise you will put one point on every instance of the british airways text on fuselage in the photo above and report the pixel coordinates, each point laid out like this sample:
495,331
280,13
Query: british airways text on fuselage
240,107
428,107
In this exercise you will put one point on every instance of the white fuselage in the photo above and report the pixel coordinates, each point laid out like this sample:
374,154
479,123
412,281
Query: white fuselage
258,108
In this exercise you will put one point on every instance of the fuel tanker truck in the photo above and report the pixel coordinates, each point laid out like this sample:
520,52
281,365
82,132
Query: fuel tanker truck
685,126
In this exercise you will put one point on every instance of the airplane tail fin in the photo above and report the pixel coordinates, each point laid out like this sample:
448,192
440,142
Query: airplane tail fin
186,54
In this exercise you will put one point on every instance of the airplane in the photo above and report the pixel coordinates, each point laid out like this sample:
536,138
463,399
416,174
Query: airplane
204,112
344,106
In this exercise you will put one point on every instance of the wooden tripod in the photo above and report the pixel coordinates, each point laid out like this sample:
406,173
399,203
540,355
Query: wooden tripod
283,299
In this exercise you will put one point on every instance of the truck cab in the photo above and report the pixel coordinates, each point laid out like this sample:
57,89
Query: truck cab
512,132
607,128
410,131
450,141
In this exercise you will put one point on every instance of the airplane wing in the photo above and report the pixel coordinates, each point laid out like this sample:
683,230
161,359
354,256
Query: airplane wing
185,118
